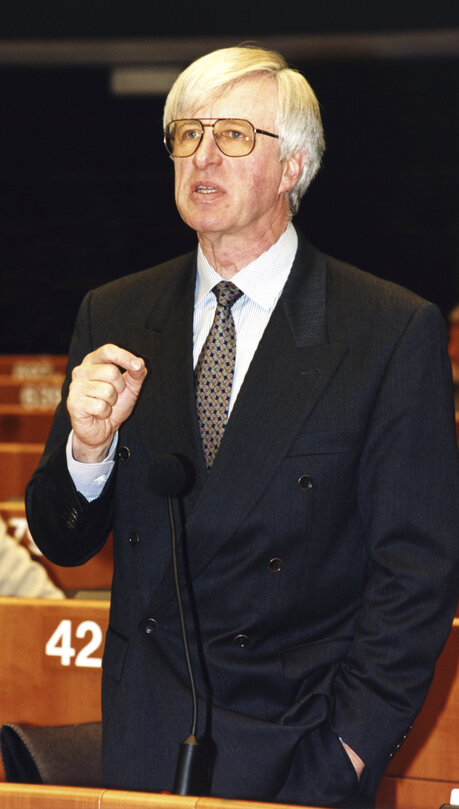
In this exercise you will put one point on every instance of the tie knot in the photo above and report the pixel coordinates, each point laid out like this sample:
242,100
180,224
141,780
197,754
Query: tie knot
226,293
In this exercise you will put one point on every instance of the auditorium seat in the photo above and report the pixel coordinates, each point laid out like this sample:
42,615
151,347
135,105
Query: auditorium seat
59,754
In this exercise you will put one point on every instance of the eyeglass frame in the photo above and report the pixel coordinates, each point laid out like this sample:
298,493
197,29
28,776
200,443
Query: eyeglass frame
200,121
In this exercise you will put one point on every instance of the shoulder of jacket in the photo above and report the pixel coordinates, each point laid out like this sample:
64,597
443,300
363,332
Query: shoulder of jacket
157,278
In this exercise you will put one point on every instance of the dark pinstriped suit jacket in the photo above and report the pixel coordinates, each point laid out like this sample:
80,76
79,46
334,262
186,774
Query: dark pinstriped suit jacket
339,462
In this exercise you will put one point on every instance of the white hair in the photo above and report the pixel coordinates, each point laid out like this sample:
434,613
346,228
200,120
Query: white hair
298,117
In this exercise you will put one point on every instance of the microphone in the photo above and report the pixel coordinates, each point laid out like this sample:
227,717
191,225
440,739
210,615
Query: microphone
170,478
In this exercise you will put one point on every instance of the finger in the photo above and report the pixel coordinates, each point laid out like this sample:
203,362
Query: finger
112,354
107,374
94,389
82,407
136,374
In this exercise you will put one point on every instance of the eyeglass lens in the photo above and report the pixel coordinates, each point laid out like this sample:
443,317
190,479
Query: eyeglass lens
234,137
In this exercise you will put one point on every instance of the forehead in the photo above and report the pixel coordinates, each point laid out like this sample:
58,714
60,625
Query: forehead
252,98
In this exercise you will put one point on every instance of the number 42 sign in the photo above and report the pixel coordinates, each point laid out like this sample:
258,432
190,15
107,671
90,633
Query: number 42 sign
60,644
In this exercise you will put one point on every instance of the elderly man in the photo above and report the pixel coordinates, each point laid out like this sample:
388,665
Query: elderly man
309,407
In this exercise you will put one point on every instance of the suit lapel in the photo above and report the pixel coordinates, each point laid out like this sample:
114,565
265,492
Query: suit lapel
166,408
293,364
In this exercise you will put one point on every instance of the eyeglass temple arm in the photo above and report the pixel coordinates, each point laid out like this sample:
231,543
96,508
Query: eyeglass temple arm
263,132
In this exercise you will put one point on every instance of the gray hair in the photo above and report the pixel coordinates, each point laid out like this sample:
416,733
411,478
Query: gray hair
298,118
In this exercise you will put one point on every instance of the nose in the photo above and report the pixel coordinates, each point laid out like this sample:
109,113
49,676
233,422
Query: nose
207,152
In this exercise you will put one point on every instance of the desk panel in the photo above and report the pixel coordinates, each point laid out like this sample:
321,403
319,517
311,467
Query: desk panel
23,796
51,660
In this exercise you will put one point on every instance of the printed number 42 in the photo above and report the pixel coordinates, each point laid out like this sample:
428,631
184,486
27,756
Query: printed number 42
60,644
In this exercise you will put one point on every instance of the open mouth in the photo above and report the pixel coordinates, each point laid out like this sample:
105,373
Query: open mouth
206,189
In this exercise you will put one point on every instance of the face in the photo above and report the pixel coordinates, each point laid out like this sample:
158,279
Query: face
242,198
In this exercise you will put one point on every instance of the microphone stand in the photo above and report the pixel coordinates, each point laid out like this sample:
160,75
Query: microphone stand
189,749
169,479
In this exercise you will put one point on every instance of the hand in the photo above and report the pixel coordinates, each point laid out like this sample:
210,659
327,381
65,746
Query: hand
101,397
357,762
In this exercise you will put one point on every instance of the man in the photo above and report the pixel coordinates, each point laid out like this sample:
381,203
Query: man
318,547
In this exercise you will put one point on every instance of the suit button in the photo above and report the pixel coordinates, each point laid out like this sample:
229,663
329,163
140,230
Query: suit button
275,565
150,625
305,482
134,538
241,640
124,453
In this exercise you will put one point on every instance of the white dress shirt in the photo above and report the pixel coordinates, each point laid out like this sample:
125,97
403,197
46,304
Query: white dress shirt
261,282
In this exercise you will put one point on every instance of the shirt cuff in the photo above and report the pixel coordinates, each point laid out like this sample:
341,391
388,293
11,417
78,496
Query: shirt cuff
90,478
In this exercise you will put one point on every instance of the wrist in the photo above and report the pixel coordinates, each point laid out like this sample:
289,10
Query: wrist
84,453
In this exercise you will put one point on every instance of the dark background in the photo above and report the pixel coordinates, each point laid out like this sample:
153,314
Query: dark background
86,186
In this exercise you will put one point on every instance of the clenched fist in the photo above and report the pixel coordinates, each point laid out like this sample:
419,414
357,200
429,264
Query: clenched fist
102,395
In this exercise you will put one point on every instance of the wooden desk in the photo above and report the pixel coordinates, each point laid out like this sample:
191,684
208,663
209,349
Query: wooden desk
28,796
18,796
96,574
413,793
51,660
18,462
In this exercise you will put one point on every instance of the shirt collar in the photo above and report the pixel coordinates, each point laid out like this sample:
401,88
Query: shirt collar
263,279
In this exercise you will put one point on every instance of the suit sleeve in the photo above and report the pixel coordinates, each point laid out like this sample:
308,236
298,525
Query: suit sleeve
67,528
408,499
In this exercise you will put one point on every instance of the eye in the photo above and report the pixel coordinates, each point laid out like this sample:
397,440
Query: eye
190,134
235,134
232,134
186,132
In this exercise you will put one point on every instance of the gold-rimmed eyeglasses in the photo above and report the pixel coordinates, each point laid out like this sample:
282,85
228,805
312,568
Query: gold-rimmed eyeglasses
235,137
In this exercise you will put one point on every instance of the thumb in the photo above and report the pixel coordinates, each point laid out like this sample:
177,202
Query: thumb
135,374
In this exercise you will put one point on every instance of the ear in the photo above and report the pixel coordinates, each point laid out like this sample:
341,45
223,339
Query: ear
292,168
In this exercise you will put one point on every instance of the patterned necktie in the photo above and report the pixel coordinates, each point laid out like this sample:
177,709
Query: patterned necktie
215,369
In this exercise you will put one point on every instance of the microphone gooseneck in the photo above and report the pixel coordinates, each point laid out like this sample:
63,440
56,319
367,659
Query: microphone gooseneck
186,647
169,479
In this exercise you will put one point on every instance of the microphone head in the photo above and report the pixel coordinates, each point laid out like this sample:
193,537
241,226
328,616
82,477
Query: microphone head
169,476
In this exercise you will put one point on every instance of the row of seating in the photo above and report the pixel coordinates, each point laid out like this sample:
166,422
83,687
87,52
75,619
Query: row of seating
29,366
29,392
51,649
